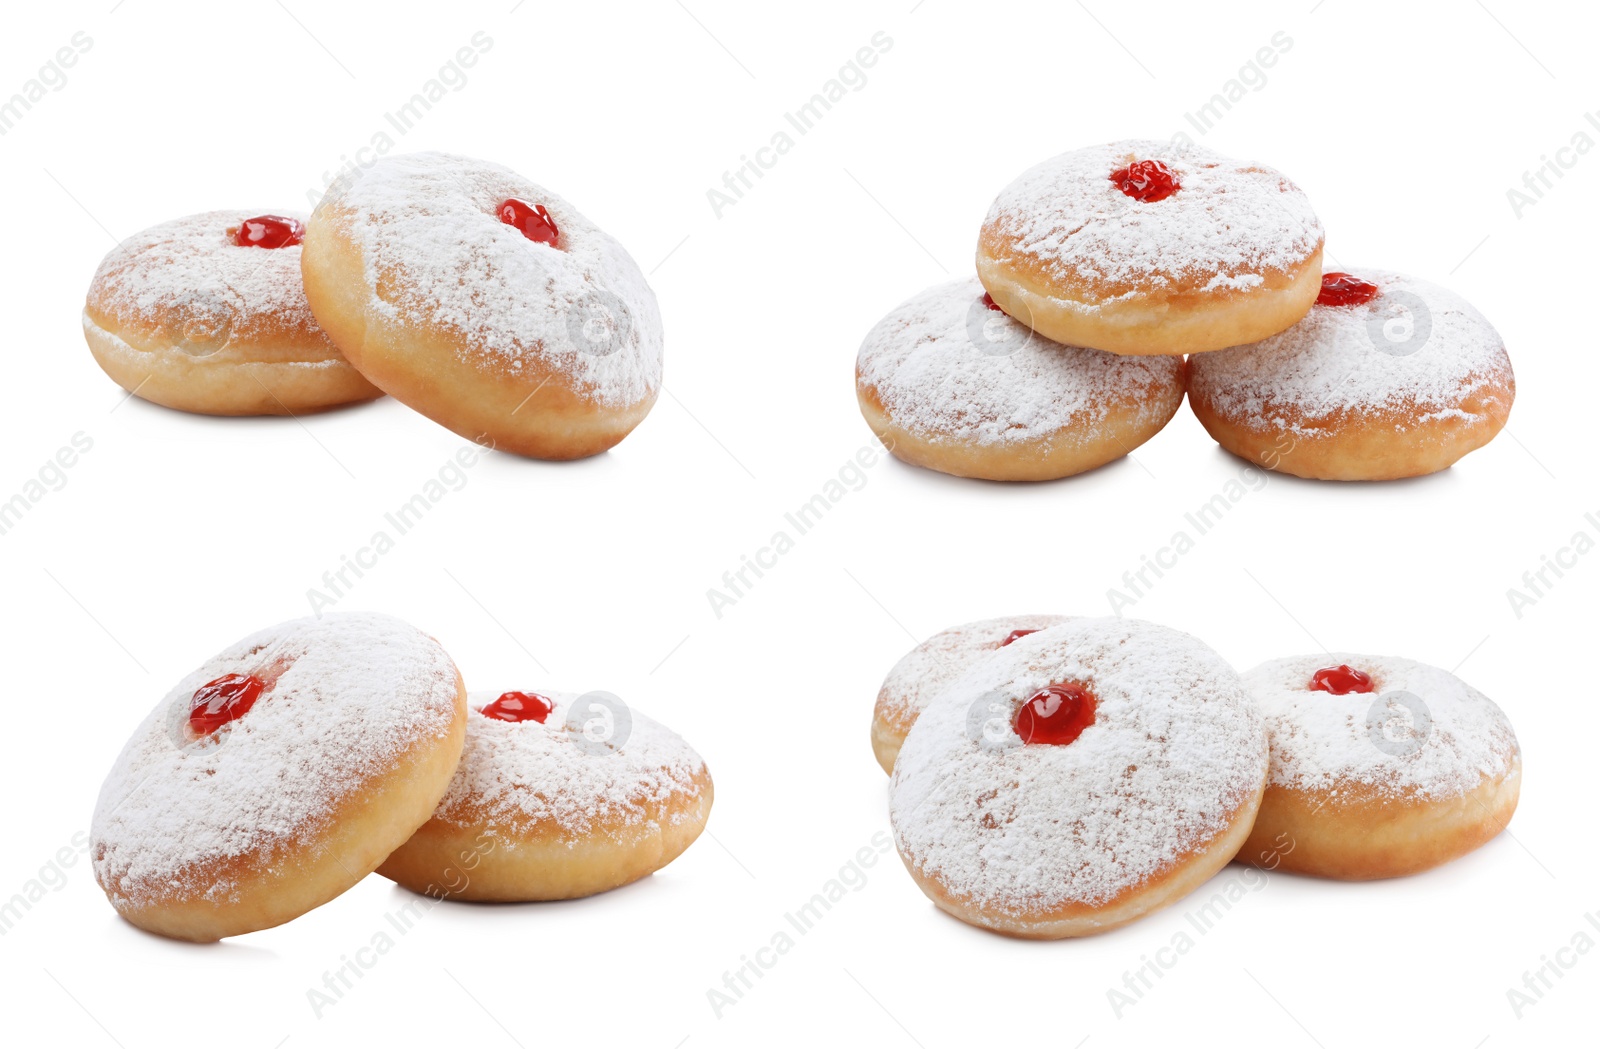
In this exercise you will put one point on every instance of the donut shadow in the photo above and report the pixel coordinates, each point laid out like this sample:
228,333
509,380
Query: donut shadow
1438,478
227,947
1466,871
928,475
142,407
981,935
1456,874
263,424
508,462
1465,874
643,887
1180,910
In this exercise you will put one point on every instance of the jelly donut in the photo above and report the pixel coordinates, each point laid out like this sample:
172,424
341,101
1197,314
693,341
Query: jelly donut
207,314
931,667
557,796
278,775
949,382
485,302
1387,377
1380,767
1079,778
1149,247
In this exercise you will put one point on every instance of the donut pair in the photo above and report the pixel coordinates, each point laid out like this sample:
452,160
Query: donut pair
1114,262
1096,271
467,292
1055,779
306,756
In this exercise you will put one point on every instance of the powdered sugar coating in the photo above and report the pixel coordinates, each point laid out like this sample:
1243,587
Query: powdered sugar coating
188,275
947,368
1416,351
1175,750
1230,225
941,660
349,695
436,253
1380,741
523,775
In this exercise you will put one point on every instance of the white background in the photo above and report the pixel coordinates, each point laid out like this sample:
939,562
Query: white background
1406,123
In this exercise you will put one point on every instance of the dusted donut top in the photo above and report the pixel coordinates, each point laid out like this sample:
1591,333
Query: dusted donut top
1416,352
938,662
1421,733
1227,227
586,763
348,696
946,367
186,282
436,254
1175,749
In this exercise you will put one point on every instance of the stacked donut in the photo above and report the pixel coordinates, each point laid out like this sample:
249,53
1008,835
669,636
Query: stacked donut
470,293
1101,270
1058,776
304,757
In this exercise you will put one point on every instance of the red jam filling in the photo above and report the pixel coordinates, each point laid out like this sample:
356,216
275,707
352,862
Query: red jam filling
987,301
1016,634
1340,680
226,699
532,219
1147,181
269,231
1057,715
1345,289
519,706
